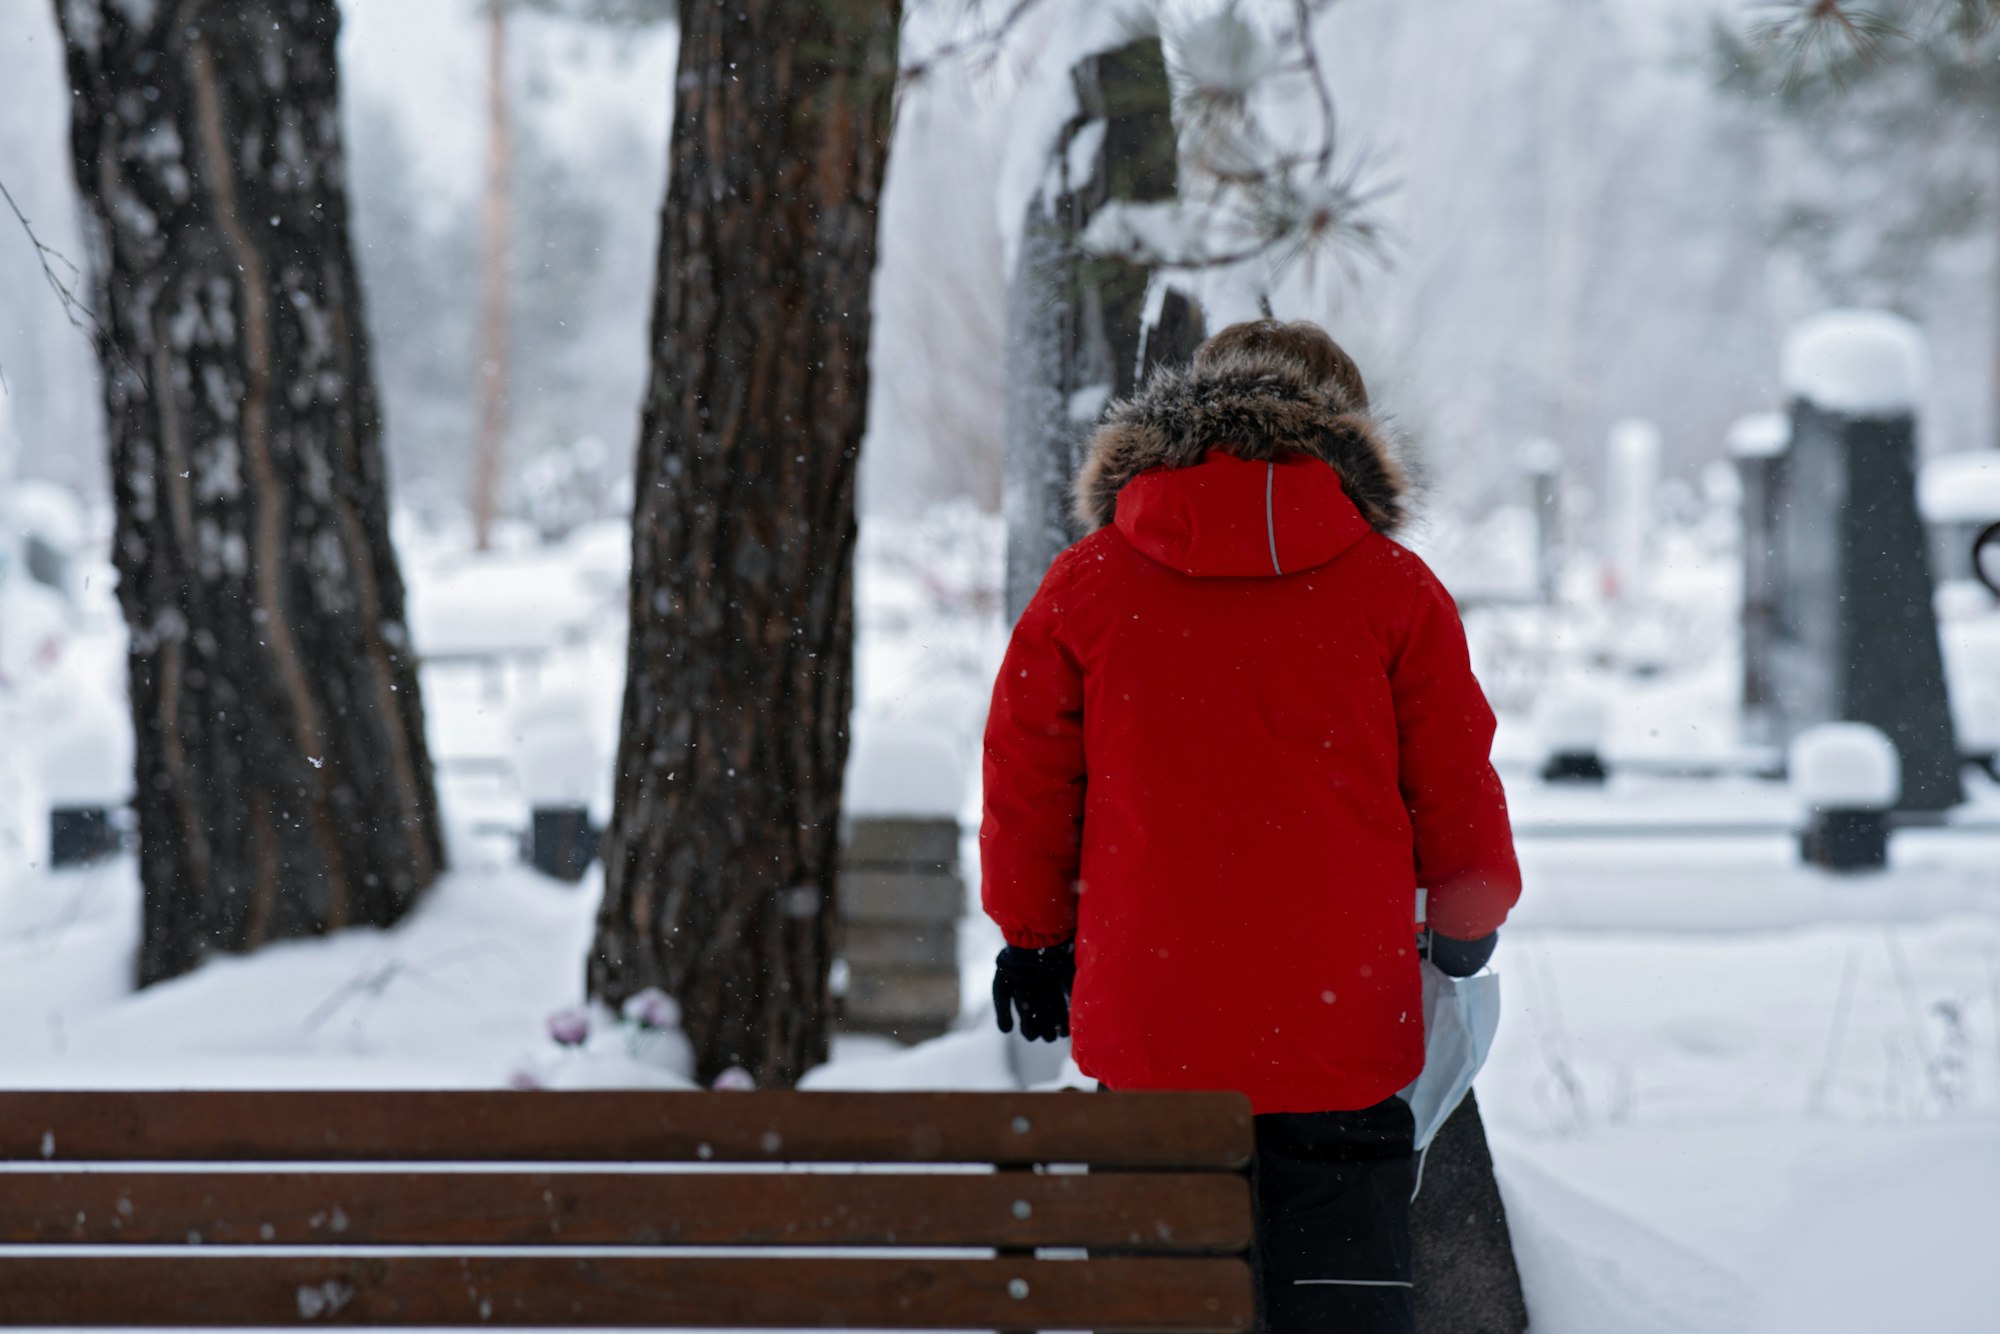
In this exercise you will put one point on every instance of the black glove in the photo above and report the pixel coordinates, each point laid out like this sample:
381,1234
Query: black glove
1458,958
1037,983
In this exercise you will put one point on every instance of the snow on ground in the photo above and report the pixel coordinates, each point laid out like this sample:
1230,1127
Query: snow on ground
1731,1093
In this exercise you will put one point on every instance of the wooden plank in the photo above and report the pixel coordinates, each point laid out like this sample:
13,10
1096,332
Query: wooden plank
1162,1130
900,995
885,945
900,896
915,845
1141,1213
630,1291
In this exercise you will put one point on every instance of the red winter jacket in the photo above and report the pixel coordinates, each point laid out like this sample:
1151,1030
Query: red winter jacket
1234,731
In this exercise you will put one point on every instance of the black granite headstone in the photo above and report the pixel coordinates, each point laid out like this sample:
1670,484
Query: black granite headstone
561,841
1855,637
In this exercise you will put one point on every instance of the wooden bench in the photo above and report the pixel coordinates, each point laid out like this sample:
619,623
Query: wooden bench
716,1210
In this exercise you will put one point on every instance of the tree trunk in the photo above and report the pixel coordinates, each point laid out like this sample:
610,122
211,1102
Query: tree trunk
495,267
720,859
284,788
1074,321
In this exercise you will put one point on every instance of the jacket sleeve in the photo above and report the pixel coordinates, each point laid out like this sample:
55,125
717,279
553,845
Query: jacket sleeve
1031,831
1458,810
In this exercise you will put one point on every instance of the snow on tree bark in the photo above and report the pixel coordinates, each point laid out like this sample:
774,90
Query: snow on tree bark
284,787
1075,320
720,859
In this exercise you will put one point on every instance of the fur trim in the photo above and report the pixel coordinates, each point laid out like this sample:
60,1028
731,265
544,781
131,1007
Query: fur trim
1258,407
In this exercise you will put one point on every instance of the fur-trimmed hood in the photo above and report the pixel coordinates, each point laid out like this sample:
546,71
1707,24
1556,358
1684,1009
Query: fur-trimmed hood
1257,407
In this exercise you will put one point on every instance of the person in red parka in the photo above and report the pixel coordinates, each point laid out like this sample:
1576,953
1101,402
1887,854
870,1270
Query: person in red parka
1234,733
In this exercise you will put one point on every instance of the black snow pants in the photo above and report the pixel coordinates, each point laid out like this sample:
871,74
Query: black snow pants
1333,1220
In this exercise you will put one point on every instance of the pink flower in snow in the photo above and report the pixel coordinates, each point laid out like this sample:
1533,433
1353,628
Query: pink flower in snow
653,1009
570,1027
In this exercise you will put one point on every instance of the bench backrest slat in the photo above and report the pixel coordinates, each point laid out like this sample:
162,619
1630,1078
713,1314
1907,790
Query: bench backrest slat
719,1293
412,1208
1140,1130
1181,1212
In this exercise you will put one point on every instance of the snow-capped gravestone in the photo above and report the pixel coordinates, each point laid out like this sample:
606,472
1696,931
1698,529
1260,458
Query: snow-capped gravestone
1855,635
900,892
1541,463
1632,483
1097,129
1959,497
1848,777
1571,724
87,778
560,770
1758,444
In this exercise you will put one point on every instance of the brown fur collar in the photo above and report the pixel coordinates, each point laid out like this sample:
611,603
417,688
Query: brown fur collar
1256,406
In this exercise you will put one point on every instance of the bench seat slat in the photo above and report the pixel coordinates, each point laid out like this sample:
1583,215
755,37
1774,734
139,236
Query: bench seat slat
1126,1211
224,1291
1142,1130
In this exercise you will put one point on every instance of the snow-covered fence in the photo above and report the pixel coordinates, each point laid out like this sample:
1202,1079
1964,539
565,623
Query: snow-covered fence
900,892
1849,777
1855,636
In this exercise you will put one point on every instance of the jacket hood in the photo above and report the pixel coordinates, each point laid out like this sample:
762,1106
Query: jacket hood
1258,408
1231,516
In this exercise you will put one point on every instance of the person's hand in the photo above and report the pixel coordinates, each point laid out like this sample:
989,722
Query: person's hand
1459,958
1036,983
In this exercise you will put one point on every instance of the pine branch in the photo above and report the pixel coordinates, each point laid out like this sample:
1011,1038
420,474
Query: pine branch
74,308
979,49
1825,38
48,257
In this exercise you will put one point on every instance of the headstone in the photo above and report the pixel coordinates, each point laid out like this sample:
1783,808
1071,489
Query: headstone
1855,635
900,892
556,761
1958,495
1849,777
1075,320
900,901
1986,557
1542,463
1571,722
1758,444
1632,481
86,775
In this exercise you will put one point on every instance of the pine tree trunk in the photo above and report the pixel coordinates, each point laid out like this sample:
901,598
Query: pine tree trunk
720,857
284,787
495,268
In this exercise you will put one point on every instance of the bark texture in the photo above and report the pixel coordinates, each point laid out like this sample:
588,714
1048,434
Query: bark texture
720,859
284,787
